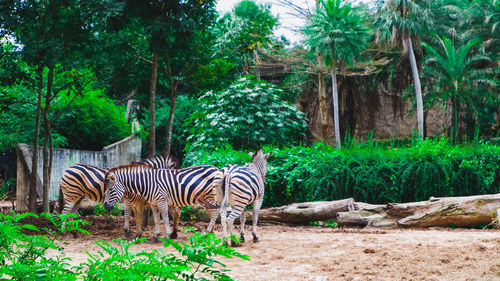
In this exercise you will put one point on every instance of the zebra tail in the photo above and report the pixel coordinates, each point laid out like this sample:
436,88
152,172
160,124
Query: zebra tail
60,201
226,184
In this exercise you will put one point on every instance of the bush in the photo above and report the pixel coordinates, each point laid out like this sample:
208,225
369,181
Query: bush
371,174
92,122
24,257
246,115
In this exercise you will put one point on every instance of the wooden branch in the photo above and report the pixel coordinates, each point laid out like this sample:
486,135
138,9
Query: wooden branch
306,212
446,211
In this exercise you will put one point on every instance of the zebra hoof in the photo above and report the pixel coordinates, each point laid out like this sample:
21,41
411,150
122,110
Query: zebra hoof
76,234
128,234
234,244
173,235
255,239
242,237
155,240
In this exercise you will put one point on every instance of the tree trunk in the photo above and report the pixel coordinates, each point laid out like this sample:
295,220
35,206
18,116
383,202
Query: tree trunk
335,97
418,89
306,212
170,122
446,211
323,110
152,107
46,137
465,211
34,166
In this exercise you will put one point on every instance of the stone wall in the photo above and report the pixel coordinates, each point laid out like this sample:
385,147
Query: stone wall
386,116
119,153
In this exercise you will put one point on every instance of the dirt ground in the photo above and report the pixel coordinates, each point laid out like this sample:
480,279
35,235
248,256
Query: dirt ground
324,253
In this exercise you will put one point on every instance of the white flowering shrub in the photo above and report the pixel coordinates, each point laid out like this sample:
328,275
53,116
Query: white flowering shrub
246,115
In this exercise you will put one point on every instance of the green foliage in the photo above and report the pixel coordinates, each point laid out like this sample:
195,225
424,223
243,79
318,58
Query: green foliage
91,122
246,115
184,106
454,77
330,223
336,31
197,260
238,34
24,257
99,210
374,173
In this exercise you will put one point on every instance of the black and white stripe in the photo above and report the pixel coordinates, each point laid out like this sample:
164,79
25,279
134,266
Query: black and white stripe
244,185
81,180
159,187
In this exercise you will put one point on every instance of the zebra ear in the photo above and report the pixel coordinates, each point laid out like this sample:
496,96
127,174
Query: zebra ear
267,155
250,153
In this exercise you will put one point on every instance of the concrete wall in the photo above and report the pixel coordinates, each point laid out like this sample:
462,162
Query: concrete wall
120,153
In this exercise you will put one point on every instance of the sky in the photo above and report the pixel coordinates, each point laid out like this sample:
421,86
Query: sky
290,20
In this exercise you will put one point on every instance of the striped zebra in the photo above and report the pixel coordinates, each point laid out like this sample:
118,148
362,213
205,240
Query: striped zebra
163,188
81,180
244,185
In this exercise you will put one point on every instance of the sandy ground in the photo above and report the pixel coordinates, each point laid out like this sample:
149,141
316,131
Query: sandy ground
324,253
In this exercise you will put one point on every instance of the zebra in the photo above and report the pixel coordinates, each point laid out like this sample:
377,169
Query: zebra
175,187
82,180
244,185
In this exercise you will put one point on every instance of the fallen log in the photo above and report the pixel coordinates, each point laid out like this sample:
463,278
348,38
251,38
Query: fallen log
446,211
296,213
306,212
366,215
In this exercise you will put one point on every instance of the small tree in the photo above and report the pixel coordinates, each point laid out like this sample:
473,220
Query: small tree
457,78
246,115
337,34
398,21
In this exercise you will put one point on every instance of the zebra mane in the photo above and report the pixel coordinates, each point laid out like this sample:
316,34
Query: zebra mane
256,153
129,166
158,156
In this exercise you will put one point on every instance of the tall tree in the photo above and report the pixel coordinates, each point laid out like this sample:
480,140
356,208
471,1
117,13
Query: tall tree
49,33
337,33
455,75
241,32
399,21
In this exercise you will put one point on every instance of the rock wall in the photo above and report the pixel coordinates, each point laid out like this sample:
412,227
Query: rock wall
119,153
386,116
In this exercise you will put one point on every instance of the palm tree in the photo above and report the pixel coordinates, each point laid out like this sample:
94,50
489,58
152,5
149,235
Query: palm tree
398,20
337,34
455,76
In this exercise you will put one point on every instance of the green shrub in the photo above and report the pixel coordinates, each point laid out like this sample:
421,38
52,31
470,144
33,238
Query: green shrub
371,173
246,115
197,260
99,210
91,122
24,257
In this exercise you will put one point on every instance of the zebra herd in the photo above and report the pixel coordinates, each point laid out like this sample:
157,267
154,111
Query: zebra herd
156,182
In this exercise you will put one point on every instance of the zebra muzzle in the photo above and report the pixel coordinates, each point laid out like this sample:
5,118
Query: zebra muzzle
108,207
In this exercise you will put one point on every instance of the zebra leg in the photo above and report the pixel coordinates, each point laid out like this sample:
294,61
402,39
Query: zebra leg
126,213
71,207
176,214
230,225
163,205
156,217
68,206
214,213
255,219
223,219
243,218
138,215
